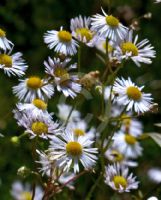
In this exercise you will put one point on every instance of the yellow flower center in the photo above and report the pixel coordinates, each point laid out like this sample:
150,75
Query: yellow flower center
61,73
84,33
128,47
34,82
79,132
26,196
133,93
39,128
131,140
64,36
112,21
118,157
120,181
6,60
39,104
110,48
2,33
74,148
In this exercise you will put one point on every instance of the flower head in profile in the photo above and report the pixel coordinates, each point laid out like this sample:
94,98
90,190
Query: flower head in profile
65,81
68,150
37,107
33,87
22,191
41,126
115,156
5,44
108,26
13,64
131,125
119,179
61,41
81,30
139,52
49,168
127,144
131,96
80,128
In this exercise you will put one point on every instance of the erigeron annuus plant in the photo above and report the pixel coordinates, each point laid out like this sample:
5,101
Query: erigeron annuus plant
74,146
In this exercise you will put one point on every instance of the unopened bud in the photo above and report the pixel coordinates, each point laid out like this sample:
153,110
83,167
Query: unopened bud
98,88
23,171
148,15
15,140
90,79
154,108
135,25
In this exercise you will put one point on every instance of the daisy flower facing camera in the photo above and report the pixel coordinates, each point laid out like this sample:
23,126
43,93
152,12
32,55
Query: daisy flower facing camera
24,192
108,26
5,44
141,52
81,30
68,150
41,126
127,144
64,81
61,41
32,88
13,65
130,95
118,179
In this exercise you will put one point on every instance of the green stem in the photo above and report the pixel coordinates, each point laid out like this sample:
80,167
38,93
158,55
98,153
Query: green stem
93,188
79,58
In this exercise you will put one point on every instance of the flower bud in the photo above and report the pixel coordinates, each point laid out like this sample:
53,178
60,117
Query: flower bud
23,171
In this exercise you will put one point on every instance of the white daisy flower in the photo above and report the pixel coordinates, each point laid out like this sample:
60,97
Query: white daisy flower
36,107
157,1
13,65
49,168
47,164
131,125
80,128
41,126
32,88
64,81
5,44
24,192
132,96
141,52
61,41
127,144
81,30
118,179
155,175
115,156
152,198
64,111
101,45
68,150
108,26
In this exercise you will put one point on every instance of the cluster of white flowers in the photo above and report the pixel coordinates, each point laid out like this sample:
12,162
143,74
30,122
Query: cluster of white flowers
74,144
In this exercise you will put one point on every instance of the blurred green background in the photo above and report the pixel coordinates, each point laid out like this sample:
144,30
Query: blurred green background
25,22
